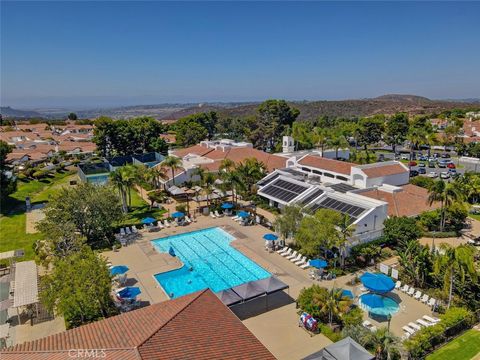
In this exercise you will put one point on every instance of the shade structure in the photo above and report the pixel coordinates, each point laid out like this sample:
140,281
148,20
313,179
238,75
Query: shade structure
270,237
148,220
118,270
372,300
171,251
227,205
379,283
243,214
178,214
229,297
346,349
318,263
272,284
249,290
129,292
347,293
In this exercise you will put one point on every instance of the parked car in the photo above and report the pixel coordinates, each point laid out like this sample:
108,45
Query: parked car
432,174
413,173
445,155
405,156
442,165
451,166
423,158
431,164
444,175
452,171
381,157
422,165
412,163
436,155
422,170
432,159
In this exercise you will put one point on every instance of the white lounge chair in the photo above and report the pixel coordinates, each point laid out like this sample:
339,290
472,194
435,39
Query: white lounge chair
167,224
408,330
297,258
367,324
405,288
212,215
292,255
305,266
235,217
424,323
301,262
418,295
160,225
285,248
128,231
217,214
287,253
134,229
398,284
122,232
431,302
424,298
411,291
414,326
433,320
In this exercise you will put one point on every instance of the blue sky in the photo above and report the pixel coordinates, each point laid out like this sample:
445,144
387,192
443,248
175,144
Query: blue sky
114,53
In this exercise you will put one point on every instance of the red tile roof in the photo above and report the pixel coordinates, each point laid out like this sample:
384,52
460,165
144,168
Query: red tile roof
195,149
271,161
411,201
384,170
195,326
315,161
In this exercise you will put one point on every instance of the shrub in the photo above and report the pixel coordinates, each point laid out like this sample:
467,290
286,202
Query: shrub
353,317
422,181
21,177
38,174
329,333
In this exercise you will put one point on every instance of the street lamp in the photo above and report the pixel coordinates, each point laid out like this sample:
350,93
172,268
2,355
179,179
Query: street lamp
389,318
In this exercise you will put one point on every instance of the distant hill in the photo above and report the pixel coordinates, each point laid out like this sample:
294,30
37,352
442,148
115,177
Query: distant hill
385,104
7,112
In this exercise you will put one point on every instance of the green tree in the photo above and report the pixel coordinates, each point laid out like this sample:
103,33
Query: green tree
72,116
251,171
173,163
93,210
346,231
370,131
385,344
445,193
288,222
452,262
189,133
232,180
416,262
124,178
78,288
337,141
7,184
396,130
401,230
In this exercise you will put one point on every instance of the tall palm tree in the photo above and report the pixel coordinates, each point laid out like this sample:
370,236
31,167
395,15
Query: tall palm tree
337,141
430,140
416,262
415,136
320,138
446,194
173,163
385,344
454,261
124,178
251,171
332,302
346,230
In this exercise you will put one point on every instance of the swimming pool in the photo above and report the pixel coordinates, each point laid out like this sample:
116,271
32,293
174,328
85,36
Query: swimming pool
389,307
209,262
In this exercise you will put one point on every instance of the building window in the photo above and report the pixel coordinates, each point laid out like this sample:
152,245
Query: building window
317,172
343,178
329,175
306,169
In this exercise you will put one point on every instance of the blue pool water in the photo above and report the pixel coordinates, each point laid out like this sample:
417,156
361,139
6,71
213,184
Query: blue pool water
389,307
98,179
215,264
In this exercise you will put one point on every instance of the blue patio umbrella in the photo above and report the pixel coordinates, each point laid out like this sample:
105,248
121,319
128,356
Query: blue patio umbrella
227,205
372,300
243,214
148,220
130,292
379,283
318,263
178,215
118,270
171,251
270,237
347,293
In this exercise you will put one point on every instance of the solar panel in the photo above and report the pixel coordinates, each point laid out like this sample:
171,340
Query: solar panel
283,190
343,188
269,180
312,196
353,211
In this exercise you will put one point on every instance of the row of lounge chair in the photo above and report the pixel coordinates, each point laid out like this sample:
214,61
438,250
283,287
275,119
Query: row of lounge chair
215,214
295,257
412,327
416,294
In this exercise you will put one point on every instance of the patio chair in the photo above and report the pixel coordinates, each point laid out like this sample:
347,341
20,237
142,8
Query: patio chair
187,219
292,255
297,258
433,320
122,231
122,279
160,225
167,224
301,262
123,242
431,302
424,298
367,324
305,266
217,214
398,284
405,336
283,249
235,217
134,229
418,295
411,291
212,215
414,326
175,223
128,231
408,330
424,323
405,288
287,253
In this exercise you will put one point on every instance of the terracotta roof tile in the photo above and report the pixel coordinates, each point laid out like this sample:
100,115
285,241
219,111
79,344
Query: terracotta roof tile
185,328
195,149
385,170
341,167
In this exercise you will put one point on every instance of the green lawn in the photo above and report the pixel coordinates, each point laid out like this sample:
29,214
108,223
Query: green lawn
465,347
475,216
13,236
140,209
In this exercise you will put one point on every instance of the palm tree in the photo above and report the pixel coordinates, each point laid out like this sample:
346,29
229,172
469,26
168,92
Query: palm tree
415,136
346,230
173,163
251,170
430,140
337,141
454,261
226,172
385,344
124,178
416,262
446,194
332,303
320,138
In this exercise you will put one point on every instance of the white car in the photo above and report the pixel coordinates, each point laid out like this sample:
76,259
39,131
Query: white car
432,174
444,175
405,156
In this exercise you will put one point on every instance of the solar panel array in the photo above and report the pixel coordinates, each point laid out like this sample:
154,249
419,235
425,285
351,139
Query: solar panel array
329,203
283,190
343,188
312,196
269,180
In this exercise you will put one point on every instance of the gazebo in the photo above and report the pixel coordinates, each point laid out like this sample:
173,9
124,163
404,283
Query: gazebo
25,290
346,349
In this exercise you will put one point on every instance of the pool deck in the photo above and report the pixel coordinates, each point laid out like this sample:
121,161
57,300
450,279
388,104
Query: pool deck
276,328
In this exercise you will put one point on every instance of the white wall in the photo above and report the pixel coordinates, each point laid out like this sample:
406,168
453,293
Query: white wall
396,180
